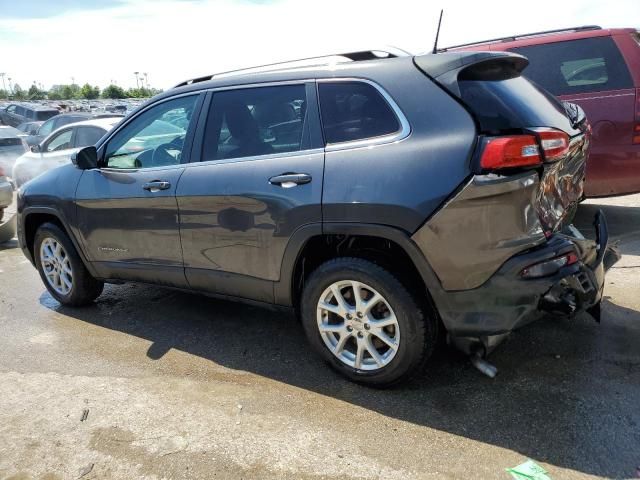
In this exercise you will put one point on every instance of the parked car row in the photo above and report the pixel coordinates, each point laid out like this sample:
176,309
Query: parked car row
37,133
58,147
34,146
18,113
121,107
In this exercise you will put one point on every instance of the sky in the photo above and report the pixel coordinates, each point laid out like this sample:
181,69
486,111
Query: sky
52,42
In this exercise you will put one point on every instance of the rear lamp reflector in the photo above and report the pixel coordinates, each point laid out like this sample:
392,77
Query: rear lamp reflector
549,267
636,134
508,152
555,144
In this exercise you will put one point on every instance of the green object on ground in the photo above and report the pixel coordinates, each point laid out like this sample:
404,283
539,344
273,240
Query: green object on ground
529,470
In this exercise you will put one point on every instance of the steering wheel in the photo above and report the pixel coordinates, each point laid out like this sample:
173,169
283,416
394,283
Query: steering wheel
162,155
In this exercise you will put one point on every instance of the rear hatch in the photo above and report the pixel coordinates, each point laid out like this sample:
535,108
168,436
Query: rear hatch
521,127
10,149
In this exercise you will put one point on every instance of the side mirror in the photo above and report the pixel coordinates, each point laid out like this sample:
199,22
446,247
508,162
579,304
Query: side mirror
86,158
35,148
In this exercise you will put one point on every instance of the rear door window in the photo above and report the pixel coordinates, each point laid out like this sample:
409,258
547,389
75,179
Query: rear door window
577,66
354,111
256,121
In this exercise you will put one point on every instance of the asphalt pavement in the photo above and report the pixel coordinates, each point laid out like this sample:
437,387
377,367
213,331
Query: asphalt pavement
154,383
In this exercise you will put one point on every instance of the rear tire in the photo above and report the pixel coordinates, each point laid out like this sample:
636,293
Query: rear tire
380,340
61,269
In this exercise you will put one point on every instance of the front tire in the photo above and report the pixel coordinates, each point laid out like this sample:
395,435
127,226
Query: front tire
364,322
62,270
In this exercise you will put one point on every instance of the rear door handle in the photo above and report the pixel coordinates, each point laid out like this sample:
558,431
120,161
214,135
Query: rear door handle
156,186
288,180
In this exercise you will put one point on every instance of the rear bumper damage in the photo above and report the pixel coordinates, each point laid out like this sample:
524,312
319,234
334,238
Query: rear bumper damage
477,320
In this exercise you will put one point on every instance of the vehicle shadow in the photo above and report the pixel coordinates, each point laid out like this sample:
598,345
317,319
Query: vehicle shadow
553,409
9,244
566,393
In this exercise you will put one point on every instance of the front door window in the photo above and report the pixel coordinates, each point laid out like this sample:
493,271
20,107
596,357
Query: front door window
61,141
153,139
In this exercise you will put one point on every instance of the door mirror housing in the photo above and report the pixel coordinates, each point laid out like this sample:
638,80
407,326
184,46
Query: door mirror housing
35,148
86,158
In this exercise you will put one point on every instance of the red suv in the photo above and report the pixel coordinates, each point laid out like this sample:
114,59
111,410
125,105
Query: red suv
599,69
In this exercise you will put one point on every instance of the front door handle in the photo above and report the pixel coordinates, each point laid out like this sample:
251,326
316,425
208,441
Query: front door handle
156,186
288,180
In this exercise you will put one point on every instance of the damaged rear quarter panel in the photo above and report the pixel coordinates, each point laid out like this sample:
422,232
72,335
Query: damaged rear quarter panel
491,219
562,186
495,217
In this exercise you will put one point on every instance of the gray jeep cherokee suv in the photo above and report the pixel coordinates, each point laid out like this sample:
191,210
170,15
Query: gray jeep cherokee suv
387,200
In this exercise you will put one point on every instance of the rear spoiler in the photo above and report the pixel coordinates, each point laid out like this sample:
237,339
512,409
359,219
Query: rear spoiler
447,68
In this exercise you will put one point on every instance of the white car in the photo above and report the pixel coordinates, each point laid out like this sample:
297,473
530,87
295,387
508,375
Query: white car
57,148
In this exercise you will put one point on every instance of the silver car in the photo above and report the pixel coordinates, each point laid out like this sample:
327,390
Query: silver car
6,193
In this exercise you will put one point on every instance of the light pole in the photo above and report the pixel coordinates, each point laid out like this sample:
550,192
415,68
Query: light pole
4,87
10,87
146,79
137,81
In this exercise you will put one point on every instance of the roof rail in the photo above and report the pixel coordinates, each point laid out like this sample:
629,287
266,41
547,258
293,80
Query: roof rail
321,60
526,35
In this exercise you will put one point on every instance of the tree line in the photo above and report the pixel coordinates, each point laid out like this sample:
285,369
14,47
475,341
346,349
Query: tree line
76,92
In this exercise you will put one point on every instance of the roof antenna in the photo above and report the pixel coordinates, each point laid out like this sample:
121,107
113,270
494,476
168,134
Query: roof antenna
435,44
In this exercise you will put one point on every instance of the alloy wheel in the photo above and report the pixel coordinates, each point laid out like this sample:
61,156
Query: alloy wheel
358,325
56,265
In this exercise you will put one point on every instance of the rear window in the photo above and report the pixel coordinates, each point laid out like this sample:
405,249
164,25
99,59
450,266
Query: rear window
45,114
577,66
510,104
10,142
354,111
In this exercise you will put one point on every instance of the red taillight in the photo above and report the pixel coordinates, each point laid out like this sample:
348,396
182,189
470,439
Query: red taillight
1,172
512,151
555,144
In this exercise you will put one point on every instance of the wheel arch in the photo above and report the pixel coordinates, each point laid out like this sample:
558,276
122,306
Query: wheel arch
32,218
306,247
